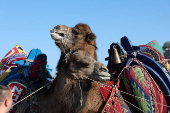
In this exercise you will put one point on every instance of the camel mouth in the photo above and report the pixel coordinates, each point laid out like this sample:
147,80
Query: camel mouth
57,36
105,76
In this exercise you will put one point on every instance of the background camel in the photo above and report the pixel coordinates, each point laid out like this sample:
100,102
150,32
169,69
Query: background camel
77,62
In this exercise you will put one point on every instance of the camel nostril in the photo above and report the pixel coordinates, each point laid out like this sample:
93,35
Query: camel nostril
61,34
104,69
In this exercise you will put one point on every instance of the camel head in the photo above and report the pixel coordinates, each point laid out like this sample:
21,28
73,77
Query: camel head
71,38
62,34
95,71
86,67
101,71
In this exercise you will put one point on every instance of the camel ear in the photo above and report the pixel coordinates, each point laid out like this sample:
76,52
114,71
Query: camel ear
90,37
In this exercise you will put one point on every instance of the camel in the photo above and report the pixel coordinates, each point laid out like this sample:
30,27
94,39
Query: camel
75,89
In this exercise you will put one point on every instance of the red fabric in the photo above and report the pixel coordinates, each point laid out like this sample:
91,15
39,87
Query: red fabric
12,52
106,89
113,105
18,90
158,97
35,68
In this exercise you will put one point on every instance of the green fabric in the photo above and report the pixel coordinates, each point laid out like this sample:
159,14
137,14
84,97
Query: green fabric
157,46
138,86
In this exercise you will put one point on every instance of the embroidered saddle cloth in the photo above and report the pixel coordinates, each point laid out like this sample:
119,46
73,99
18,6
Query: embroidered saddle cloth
114,101
155,51
143,90
21,88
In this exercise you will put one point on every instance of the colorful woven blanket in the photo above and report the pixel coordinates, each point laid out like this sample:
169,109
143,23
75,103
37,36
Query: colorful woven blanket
157,46
148,97
15,54
114,100
18,88
155,51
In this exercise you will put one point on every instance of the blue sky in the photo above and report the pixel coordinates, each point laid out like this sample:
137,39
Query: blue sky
28,23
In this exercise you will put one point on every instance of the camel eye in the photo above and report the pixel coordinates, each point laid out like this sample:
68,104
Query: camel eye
61,34
75,32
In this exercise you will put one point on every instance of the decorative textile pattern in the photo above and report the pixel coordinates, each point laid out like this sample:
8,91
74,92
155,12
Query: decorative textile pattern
17,49
18,88
5,74
155,51
23,106
126,97
24,86
140,84
168,66
157,46
151,52
105,89
115,103
33,98
15,54
164,66
9,61
124,106
30,104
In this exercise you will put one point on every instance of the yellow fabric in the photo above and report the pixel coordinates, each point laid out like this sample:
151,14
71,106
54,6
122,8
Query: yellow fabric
3,76
20,50
168,66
